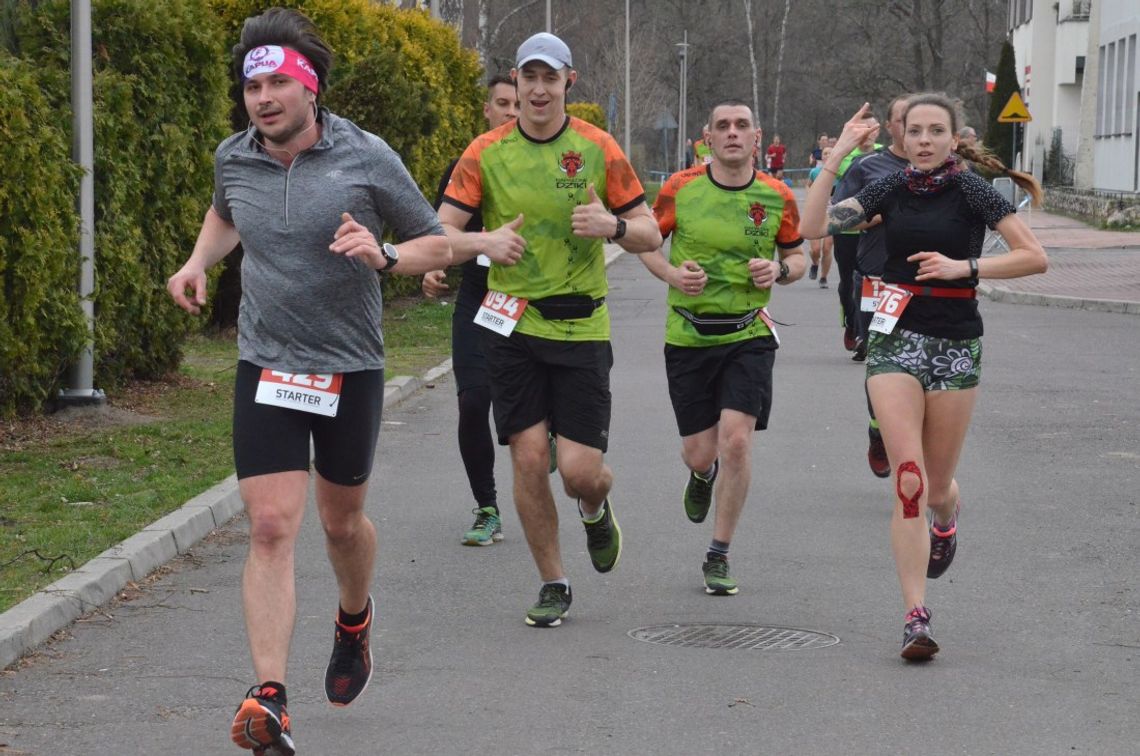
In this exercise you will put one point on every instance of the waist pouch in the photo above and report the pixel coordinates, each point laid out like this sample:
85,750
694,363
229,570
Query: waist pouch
566,306
717,324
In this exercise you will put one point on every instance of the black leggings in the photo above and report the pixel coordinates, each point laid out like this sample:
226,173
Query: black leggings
476,444
846,250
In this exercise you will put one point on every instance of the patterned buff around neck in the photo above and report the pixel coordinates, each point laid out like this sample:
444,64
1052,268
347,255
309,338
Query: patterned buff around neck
936,179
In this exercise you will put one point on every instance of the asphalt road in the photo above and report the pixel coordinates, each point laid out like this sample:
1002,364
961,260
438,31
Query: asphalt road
1038,618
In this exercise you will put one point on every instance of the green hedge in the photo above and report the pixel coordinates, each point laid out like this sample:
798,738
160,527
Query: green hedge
42,328
590,112
160,109
163,101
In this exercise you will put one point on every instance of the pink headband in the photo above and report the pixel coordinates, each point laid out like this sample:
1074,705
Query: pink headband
282,60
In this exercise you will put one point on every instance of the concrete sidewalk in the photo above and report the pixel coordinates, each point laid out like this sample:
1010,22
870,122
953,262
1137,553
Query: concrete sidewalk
1089,268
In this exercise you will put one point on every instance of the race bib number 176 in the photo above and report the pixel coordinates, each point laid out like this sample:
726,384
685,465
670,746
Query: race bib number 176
892,302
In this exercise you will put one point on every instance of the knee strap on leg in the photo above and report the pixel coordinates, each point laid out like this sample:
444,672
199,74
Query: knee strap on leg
909,503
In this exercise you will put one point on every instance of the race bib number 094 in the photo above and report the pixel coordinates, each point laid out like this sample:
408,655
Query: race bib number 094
319,394
500,312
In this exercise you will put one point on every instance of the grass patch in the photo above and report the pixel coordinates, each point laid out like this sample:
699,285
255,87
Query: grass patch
76,483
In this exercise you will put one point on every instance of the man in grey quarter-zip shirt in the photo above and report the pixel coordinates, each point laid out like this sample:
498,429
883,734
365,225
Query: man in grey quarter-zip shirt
308,195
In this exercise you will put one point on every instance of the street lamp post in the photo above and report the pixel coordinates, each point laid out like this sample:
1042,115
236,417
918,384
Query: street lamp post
80,389
682,109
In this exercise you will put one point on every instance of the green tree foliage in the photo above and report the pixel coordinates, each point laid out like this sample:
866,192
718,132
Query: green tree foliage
999,136
591,112
42,327
160,108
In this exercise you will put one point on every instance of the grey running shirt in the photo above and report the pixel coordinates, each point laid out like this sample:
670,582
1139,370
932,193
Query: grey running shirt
303,308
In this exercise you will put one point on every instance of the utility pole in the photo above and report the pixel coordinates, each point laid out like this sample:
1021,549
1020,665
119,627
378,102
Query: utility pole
82,373
549,25
682,108
628,114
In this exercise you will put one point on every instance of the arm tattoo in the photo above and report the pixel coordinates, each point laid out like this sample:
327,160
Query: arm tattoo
844,216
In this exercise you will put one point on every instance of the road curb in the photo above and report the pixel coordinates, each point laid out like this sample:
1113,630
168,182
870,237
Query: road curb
999,294
34,620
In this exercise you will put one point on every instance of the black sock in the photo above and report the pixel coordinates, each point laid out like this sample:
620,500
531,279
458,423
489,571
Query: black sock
351,620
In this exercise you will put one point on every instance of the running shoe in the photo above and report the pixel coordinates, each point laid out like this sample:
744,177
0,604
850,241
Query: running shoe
918,642
553,604
813,272
823,282
488,528
261,723
350,667
699,493
877,454
849,340
860,354
603,538
717,580
943,544
553,452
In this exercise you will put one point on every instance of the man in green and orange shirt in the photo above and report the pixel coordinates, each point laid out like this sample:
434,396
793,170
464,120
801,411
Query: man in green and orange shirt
552,188
735,233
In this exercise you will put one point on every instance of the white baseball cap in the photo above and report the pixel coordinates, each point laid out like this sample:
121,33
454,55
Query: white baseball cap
544,47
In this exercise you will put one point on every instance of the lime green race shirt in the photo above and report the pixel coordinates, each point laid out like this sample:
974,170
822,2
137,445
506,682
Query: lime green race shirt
505,172
722,228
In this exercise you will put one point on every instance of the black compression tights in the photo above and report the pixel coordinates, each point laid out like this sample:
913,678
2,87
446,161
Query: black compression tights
476,445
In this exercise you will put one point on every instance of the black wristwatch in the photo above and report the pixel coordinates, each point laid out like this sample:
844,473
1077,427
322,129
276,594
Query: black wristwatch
391,255
973,261
784,272
620,232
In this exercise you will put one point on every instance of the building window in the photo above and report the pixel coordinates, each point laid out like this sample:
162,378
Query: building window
1102,91
1129,88
1118,117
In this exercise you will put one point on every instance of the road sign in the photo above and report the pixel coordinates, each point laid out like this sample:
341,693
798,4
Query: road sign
1014,111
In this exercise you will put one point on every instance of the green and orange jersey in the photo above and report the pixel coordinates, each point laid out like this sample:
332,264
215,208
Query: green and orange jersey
505,172
701,152
721,228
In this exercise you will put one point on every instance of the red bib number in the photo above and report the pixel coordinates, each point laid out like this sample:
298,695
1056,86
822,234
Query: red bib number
892,302
319,394
500,312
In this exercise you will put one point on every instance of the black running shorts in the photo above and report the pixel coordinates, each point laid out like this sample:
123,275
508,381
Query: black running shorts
269,439
533,379
705,380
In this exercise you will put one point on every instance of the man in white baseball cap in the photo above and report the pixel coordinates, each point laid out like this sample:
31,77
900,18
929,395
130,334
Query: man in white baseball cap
548,341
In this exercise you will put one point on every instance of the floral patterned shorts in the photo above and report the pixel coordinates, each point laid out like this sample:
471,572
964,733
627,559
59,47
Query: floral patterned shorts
938,364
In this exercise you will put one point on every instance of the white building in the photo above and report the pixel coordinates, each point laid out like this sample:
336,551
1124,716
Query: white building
1113,107
1050,44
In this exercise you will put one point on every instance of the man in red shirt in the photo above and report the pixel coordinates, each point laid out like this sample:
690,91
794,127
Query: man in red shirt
775,155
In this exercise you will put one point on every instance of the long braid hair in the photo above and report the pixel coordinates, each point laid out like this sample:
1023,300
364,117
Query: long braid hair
977,153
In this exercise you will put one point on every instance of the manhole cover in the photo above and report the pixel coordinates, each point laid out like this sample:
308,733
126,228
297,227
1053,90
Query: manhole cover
748,637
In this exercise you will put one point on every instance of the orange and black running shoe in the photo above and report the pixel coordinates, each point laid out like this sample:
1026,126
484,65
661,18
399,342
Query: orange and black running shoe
350,667
262,723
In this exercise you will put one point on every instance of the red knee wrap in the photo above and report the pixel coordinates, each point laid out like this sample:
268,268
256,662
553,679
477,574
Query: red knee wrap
909,504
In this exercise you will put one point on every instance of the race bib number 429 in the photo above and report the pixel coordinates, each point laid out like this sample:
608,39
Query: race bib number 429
500,312
319,394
